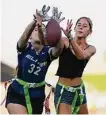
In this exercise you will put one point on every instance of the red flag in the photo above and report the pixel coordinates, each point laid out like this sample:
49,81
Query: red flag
47,104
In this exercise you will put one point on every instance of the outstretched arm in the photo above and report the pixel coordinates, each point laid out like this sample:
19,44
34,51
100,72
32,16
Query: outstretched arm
56,15
41,34
56,51
80,53
26,35
41,27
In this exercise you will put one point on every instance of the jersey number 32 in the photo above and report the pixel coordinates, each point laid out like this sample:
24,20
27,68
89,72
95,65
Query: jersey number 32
32,69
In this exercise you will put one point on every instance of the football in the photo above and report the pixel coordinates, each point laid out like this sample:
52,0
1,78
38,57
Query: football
53,32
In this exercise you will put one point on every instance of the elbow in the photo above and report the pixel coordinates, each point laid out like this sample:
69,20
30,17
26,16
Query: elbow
58,52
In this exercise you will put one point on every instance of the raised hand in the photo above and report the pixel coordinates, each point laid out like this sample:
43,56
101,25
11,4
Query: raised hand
56,15
68,29
38,19
43,13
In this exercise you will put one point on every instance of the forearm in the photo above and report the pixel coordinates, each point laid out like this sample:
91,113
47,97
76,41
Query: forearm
26,35
77,50
41,35
56,51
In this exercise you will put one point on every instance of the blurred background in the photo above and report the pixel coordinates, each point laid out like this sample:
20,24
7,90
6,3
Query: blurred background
17,14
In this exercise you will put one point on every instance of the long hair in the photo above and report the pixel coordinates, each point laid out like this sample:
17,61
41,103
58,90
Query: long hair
15,71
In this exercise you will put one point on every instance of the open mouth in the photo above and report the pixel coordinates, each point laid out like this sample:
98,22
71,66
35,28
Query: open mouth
37,42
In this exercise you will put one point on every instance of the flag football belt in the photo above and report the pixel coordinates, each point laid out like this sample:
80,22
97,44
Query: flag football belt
27,85
75,108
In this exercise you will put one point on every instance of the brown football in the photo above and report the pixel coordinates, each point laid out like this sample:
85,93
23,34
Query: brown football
53,32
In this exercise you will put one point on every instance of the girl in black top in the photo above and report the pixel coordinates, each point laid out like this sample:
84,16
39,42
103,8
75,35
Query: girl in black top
70,96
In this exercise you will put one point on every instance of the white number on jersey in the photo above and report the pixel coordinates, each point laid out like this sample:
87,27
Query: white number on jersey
32,67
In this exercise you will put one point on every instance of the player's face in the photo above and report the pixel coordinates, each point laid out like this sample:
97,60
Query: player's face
34,37
82,28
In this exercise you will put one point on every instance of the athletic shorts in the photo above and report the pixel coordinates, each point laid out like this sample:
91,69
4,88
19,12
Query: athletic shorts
67,97
16,98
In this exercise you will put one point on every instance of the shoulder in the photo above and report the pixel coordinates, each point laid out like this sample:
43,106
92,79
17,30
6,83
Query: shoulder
91,49
47,49
65,41
20,50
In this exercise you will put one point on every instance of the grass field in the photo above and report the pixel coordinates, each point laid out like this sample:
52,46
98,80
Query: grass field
99,81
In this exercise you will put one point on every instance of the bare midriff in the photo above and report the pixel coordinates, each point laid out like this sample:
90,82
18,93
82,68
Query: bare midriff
69,81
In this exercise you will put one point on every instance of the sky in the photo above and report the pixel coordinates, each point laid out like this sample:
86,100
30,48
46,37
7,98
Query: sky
17,14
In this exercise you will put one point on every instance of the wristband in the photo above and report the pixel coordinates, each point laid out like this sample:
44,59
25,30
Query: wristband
39,25
70,38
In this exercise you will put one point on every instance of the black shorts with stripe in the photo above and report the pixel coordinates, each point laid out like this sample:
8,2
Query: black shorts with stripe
16,98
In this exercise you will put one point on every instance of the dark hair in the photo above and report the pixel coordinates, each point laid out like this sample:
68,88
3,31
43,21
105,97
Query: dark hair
89,21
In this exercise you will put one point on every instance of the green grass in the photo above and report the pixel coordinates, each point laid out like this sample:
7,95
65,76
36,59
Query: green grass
99,81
